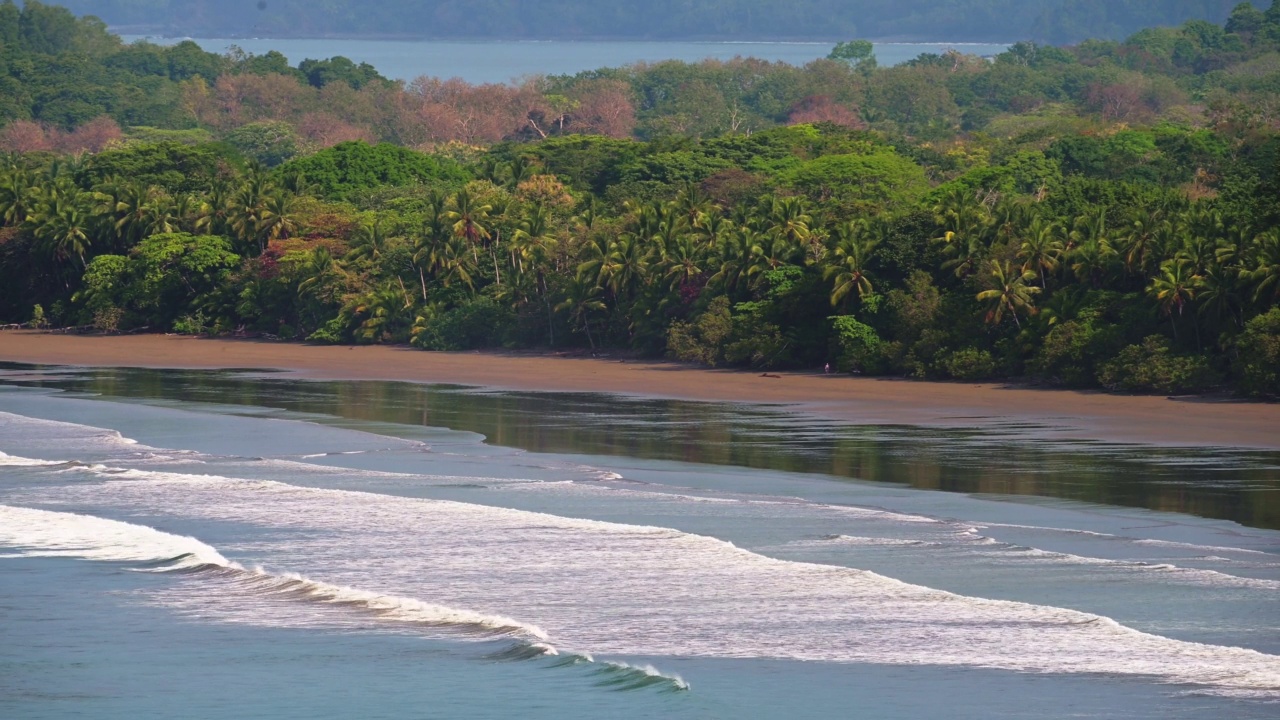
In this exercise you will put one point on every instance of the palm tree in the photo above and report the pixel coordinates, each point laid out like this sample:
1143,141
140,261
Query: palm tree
692,202
1140,241
853,248
1174,288
521,168
278,221
790,220
468,217
683,263
711,225
771,251
368,242
318,270
532,244
16,189
132,203
1265,271
1219,294
160,216
386,312
1010,293
965,222
625,267
212,215
733,258
245,212
64,230
453,263
582,298
1042,248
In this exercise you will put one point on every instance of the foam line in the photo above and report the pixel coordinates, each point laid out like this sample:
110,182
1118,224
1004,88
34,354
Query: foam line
47,533
7,460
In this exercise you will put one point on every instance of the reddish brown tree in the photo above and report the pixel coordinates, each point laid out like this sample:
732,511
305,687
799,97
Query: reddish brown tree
821,108
23,136
325,130
92,137
604,108
1116,101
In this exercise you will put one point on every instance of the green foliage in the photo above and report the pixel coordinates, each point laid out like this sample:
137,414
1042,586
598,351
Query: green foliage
969,364
1039,214
858,53
352,167
1071,351
171,165
268,142
857,347
173,271
702,341
333,332
478,323
105,283
339,69
1153,367
194,324
866,181
1257,362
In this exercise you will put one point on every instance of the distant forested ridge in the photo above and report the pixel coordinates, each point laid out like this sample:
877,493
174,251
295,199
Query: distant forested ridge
1053,21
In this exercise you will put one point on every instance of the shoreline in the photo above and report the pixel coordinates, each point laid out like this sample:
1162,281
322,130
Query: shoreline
1055,413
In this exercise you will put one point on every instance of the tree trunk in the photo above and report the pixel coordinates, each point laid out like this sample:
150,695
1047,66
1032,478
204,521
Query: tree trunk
546,299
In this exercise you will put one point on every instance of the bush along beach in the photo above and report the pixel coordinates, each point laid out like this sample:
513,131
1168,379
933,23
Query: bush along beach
1100,215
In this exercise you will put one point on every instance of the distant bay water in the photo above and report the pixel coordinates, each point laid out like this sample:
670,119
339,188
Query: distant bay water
503,61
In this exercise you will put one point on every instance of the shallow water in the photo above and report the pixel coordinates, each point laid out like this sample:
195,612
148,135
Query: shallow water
503,61
360,549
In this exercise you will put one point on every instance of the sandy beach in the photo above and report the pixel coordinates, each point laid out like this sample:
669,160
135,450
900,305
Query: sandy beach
1091,415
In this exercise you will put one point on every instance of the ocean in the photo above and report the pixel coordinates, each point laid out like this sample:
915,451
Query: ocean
245,544
505,61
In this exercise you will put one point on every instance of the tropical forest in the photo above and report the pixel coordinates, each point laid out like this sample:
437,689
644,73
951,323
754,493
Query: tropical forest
1100,214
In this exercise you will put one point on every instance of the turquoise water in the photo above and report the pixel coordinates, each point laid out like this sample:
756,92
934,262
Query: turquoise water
497,61
221,545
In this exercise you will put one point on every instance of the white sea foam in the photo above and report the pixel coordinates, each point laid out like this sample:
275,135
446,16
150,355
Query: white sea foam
1209,548
44,533
1184,574
48,533
633,590
49,441
7,460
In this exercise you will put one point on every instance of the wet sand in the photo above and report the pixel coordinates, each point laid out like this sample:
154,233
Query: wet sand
1190,421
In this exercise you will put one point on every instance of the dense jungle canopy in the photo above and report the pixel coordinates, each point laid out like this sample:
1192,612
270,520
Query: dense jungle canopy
1103,214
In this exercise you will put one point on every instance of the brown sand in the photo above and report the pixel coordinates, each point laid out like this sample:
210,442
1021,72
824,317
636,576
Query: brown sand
1068,414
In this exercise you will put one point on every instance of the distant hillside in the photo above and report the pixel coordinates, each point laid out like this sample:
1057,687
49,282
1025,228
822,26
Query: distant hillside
1056,21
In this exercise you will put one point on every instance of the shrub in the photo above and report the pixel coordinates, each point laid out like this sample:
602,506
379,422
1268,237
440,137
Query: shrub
857,347
969,364
107,319
1257,361
1072,351
480,323
192,324
332,332
1152,367
702,341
